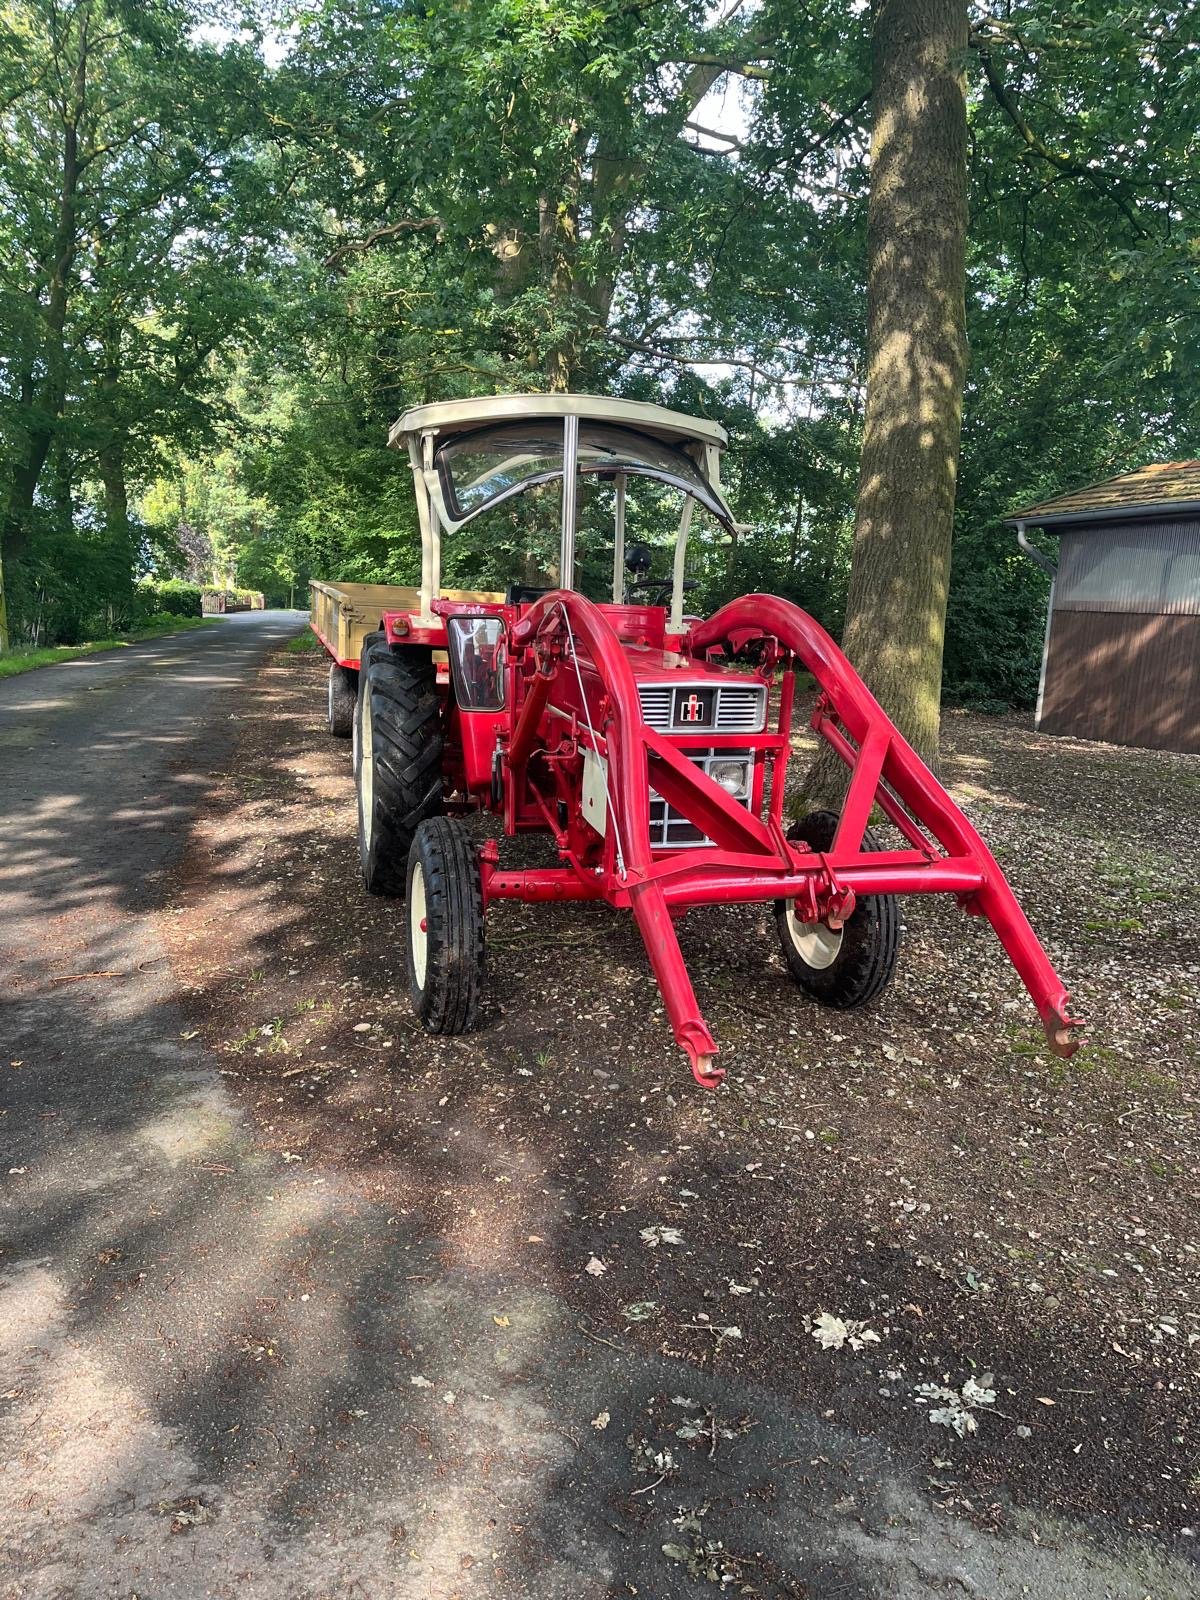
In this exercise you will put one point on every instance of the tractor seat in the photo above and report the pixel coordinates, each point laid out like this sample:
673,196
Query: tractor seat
524,594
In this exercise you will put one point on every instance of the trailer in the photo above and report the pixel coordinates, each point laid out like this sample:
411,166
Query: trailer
646,744
342,614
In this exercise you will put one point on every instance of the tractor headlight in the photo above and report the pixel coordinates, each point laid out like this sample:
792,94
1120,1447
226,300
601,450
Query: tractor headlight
733,776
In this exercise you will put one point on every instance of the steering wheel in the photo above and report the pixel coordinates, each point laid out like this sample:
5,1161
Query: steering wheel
658,590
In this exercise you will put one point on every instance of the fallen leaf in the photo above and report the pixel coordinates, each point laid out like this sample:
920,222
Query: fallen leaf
831,1332
601,1421
420,1383
502,1322
596,1267
657,1235
640,1310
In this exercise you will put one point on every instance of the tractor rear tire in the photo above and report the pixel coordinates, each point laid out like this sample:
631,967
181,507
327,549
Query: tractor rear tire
445,948
848,967
399,759
342,700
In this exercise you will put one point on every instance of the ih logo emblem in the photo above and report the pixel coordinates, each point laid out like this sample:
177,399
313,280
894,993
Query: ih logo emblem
694,707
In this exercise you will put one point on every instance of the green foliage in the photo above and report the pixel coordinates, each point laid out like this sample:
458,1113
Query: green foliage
172,595
260,269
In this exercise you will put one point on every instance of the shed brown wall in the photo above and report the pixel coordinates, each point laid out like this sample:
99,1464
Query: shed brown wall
1129,678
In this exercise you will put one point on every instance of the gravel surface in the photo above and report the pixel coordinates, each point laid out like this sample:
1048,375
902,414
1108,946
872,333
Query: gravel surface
295,1301
997,1217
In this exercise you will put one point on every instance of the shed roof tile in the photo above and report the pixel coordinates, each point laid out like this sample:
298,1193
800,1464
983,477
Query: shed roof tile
1156,485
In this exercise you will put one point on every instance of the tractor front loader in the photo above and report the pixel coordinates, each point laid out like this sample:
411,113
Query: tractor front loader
637,738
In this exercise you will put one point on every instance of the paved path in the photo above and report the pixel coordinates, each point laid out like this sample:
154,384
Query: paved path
222,1376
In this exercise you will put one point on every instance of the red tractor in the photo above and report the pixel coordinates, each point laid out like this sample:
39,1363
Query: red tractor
639,738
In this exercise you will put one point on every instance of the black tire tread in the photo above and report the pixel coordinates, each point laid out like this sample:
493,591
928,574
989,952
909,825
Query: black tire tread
871,938
456,958
407,727
342,700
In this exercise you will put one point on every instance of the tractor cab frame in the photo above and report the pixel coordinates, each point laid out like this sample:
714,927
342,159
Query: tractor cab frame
469,456
650,746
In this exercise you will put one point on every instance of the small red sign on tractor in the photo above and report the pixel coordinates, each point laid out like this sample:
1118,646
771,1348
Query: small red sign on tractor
640,739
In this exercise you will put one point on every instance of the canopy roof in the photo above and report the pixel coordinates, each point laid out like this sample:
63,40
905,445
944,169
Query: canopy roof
1162,486
448,417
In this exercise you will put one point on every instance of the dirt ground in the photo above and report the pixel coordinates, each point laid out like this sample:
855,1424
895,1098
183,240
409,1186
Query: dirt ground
915,1195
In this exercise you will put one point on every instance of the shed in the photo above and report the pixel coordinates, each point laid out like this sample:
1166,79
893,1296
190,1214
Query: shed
1121,658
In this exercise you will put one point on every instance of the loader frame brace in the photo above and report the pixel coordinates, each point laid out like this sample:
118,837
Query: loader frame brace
750,859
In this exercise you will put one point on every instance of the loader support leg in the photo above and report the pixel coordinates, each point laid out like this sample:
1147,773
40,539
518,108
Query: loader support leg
666,959
996,901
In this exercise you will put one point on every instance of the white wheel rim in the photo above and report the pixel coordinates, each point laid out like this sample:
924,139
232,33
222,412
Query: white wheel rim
329,713
366,769
817,945
418,934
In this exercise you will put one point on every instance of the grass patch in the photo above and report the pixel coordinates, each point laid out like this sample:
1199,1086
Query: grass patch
20,660
304,643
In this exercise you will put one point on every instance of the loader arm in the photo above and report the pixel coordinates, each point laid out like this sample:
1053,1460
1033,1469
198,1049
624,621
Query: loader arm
748,858
886,769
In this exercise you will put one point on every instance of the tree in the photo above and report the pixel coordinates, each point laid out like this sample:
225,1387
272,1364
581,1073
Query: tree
916,365
134,221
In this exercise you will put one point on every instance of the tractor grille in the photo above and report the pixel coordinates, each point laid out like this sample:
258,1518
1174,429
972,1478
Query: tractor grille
715,708
669,827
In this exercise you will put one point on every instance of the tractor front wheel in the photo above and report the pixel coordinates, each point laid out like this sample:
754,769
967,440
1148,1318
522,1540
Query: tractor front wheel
445,927
842,967
399,760
343,695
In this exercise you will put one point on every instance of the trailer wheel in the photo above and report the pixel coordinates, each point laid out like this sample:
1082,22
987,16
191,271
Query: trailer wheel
399,760
343,697
849,966
445,927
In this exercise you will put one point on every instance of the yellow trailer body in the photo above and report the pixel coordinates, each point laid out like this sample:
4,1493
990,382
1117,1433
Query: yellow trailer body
341,614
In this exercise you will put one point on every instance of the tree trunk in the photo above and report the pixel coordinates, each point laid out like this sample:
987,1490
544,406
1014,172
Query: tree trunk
916,364
3,610
558,251
111,466
46,401
110,458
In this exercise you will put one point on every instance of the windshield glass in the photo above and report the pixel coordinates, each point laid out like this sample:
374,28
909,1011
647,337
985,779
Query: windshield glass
480,469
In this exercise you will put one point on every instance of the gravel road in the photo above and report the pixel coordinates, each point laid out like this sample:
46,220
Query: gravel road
223,1374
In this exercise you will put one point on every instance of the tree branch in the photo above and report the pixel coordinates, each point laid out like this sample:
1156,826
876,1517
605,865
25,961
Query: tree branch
390,230
1103,182
723,64
715,133
751,365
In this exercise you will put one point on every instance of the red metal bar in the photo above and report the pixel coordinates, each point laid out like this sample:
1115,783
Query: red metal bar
541,884
787,697
888,804
930,877
529,721
683,785
629,789
666,958
762,866
860,797
759,615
